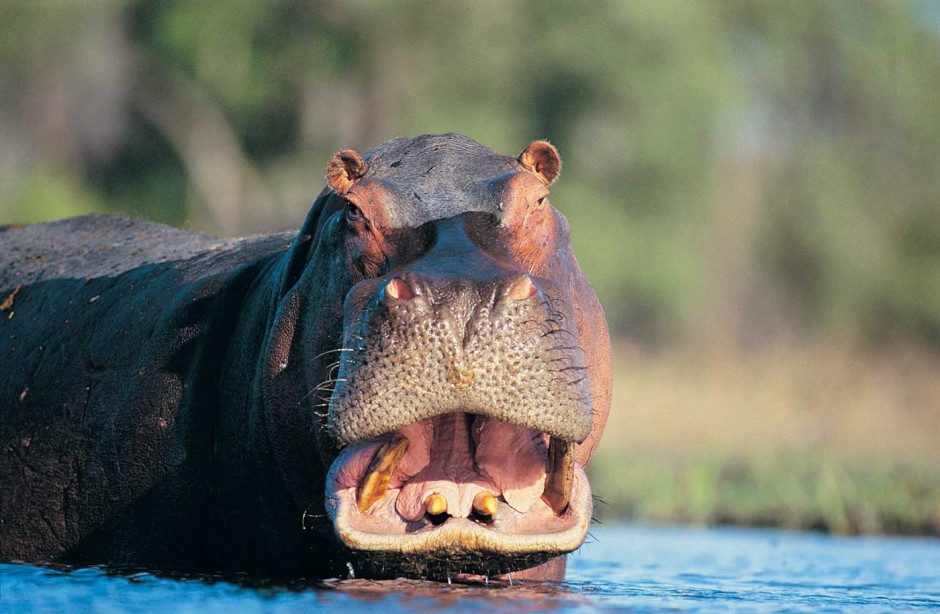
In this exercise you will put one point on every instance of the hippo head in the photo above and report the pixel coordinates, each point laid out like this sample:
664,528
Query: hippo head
437,350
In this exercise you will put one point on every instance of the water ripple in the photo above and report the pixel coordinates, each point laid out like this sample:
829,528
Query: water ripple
637,568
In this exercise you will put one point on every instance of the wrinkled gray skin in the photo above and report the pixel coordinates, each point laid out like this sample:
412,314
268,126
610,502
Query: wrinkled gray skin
163,396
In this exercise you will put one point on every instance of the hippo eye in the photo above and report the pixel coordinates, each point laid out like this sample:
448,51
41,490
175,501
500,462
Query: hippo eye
353,213
540,202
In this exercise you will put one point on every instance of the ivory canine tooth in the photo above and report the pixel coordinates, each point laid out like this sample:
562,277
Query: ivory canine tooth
560,476
374,483
485,504
435,504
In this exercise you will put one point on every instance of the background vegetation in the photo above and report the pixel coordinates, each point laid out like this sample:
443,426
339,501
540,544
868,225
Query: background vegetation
753,187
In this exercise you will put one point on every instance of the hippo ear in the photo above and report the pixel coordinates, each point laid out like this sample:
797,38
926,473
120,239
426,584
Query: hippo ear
541,159
345,169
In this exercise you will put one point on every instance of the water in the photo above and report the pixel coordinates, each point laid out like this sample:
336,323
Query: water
637,568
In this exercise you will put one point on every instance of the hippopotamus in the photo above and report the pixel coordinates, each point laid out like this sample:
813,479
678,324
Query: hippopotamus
409,386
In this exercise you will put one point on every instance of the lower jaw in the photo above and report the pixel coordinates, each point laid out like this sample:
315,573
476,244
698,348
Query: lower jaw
389,546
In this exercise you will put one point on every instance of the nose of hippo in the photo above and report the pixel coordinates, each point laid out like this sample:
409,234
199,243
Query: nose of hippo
511,287
463,305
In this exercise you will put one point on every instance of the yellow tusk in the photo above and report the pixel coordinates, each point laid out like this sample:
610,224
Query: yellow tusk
559,475
435,504
374,483
485,503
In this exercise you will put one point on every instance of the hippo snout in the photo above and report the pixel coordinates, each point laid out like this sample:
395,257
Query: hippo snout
461,396
428,346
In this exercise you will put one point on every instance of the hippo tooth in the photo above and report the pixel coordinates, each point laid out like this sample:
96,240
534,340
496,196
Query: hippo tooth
374,483
435,504
485,504
560,475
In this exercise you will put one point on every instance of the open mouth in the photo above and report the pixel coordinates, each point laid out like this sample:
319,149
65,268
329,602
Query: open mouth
459,493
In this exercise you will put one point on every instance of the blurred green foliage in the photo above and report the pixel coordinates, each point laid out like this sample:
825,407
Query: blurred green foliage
794,490
735,170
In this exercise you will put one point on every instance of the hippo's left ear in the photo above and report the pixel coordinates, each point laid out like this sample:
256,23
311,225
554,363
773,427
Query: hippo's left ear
345,169
541,159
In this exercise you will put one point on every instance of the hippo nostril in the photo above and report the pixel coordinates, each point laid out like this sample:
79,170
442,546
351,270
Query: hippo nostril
398,288
522,289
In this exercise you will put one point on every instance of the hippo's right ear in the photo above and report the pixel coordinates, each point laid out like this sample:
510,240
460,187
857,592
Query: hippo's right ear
542,160
345,169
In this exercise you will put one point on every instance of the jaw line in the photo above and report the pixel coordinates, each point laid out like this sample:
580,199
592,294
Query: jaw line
461,535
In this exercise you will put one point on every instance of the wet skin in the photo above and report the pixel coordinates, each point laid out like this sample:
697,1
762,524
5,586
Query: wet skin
410,385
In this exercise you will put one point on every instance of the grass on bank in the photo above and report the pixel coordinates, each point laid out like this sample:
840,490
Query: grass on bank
816,438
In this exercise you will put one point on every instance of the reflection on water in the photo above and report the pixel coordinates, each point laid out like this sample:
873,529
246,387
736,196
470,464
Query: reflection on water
641,568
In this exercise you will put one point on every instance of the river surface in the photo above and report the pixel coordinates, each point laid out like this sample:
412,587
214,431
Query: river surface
623,567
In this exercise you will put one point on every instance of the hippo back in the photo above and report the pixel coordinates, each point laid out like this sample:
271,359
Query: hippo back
96,245
111,334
